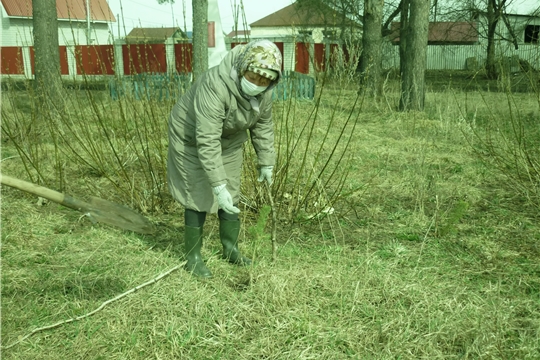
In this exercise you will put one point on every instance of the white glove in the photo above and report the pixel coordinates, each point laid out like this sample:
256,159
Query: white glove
265,173
224,199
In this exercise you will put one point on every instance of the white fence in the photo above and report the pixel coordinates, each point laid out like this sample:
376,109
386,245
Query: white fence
454,57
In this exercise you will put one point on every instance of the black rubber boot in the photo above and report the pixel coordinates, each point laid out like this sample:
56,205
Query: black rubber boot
193,237
228,233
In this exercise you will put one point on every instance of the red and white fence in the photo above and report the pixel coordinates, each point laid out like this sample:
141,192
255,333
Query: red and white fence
97,61
101,60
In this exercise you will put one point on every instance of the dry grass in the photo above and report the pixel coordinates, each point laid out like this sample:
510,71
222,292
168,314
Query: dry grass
402,269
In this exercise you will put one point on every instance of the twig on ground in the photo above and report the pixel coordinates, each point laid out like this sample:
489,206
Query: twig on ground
60,323
11,157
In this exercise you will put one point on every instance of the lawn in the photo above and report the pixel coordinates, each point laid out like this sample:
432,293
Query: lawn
431,249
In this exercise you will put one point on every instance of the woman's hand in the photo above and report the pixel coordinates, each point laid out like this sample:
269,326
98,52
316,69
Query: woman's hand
224,199
265,173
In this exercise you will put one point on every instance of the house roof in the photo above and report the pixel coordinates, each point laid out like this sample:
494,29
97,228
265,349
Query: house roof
66,9
296,15
155,34
444,32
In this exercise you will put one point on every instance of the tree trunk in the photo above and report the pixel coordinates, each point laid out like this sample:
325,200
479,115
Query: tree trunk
200,37
48,82
492,19
414,56
403,33
370,65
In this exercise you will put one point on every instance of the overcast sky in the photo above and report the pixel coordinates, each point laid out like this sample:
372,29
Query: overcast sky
148,13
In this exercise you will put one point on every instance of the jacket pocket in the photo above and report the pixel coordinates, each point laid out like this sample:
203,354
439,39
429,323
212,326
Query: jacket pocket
230,121
234,141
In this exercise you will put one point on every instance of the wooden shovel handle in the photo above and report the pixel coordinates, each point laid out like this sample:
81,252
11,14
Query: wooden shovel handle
44,192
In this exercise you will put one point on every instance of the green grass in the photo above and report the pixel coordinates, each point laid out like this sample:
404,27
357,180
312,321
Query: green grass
402,269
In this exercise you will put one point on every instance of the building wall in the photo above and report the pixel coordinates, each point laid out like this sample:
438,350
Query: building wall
18,32
75,33
266,32
219,50
289,32
518,23
295,32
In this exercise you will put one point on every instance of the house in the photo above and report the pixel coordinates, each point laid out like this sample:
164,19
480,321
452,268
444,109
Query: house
524,20
156,36
163,50
516,37
461,45
76,26
526,28
306,38
300,21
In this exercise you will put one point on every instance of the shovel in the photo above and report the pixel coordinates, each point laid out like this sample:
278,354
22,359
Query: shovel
98,210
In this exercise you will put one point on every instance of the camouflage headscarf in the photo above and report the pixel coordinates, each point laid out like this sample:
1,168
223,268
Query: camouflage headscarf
259,53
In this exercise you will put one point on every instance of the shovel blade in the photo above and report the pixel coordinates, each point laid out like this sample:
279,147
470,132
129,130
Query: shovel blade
117,215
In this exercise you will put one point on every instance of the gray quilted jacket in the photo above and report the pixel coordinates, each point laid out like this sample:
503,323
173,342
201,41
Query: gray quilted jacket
207,128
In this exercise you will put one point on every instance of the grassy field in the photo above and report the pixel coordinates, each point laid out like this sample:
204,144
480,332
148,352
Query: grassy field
432,252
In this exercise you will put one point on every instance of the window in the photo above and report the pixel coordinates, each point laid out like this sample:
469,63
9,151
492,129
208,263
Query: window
305,35
330,34
532,33
305,32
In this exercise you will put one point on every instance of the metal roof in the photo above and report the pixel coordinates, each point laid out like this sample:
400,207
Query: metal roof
154,34
66,9
296,15
444,32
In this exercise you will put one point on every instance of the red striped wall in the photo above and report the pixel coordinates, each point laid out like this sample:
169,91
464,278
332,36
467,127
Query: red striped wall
144,58
64,69
12,60
95,60
184,55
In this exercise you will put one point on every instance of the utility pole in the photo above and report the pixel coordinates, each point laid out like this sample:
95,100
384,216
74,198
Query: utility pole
172,13
88,28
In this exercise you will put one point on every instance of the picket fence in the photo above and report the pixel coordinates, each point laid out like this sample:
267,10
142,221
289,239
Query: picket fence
162,86
468,57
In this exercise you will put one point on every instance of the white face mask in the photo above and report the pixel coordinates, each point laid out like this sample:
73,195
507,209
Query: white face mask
250,88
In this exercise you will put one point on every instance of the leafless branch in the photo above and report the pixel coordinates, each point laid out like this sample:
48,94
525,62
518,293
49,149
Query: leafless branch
63,322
